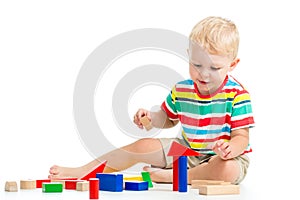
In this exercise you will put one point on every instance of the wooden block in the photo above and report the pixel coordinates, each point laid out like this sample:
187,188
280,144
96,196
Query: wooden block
196,183
59,181
133,178
11,186
52,187
110,182
136,186
92,174
146,123
71,184
94,188
28,184
39,183
146,177
82,186
219,189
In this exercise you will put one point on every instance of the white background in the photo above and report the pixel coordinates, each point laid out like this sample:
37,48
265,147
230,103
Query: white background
43,45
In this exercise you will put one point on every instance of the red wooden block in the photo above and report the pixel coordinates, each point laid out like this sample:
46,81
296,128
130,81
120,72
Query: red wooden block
93,172
177,149
94,188
71,184
39,183
175,173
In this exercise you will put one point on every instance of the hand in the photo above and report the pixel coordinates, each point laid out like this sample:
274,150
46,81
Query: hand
139,114
222,149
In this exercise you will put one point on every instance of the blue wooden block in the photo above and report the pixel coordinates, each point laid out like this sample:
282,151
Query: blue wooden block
110,182
136,186
182,170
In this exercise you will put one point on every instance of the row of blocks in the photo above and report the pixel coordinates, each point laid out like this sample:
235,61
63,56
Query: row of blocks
107,182
79,185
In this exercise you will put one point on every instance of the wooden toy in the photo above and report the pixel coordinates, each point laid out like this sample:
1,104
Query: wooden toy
219,189
27,184
136,186
71,184
110,182
196,183
39,183
11,186
52,187
82,186
59,181
92,174
178,152
146,123
94,188
146,177
133,178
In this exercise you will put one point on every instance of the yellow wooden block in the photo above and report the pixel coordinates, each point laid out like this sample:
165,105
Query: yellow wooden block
219,189
11,186
133,178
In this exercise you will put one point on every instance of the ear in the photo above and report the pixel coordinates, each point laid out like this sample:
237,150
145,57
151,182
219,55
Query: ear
234,64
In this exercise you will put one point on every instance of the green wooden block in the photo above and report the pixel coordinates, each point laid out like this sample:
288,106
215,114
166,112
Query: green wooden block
146,177
52,187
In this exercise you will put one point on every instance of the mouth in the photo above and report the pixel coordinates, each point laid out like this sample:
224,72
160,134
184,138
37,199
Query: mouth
203,82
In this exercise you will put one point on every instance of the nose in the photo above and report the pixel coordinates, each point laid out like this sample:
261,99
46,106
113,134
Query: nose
204,73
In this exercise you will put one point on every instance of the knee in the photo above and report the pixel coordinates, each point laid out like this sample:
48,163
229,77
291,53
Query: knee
145,145
226,170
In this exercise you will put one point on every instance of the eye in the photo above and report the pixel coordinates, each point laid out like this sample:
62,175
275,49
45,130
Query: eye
215,68
196,65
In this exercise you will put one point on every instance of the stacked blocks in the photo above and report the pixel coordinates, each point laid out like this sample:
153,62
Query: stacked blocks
110,182
180,153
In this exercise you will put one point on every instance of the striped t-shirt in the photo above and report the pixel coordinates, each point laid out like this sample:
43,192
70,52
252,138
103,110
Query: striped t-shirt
208,118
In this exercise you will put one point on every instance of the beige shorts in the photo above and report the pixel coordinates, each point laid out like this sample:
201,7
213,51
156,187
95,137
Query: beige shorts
243,160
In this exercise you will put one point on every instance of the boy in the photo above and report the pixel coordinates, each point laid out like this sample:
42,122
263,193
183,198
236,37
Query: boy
213,108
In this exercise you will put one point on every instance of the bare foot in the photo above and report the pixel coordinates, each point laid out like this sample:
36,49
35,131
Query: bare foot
65,172
160,175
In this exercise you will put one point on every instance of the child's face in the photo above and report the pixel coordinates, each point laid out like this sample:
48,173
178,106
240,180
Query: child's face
208,71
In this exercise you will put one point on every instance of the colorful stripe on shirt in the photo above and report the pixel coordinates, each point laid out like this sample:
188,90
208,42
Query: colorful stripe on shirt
206,120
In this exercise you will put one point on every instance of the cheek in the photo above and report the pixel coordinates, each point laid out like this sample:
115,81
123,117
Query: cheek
192,72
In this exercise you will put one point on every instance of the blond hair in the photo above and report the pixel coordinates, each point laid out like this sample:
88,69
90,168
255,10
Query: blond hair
217,36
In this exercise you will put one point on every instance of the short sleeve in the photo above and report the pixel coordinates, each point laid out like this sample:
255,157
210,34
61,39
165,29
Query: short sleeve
242,115
169,105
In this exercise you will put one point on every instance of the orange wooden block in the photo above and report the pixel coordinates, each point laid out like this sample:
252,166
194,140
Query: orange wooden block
146,123
11,186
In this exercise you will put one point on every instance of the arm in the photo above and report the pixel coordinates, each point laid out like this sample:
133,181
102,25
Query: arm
158,119
237,144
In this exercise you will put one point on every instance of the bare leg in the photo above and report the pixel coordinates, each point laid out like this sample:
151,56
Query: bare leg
145,150
215,169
